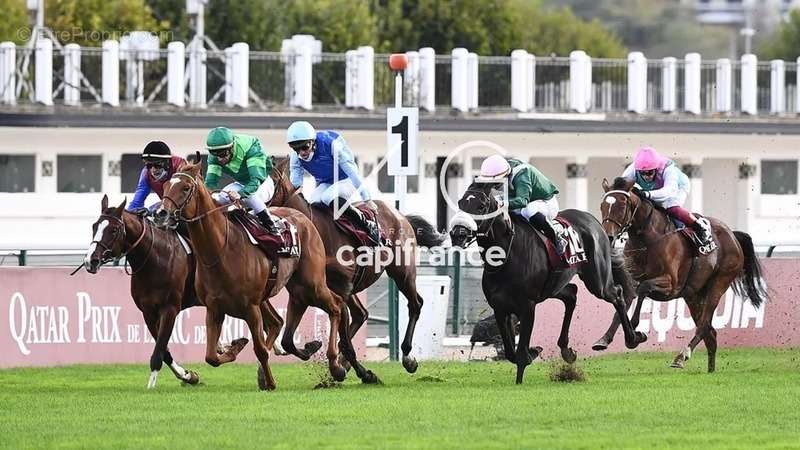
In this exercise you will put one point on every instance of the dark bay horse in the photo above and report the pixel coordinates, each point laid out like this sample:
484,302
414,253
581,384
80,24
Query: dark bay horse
666,266
523,279
232,275
162,278
347,280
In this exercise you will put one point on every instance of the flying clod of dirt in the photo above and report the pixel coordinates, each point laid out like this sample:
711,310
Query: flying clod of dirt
566,373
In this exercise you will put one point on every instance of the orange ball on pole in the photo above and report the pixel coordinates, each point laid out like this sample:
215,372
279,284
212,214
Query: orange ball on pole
398,61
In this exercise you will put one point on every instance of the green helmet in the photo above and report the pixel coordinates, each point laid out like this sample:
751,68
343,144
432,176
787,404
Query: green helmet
219,139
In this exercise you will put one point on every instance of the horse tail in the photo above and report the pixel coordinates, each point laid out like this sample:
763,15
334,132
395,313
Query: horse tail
748,283
426,234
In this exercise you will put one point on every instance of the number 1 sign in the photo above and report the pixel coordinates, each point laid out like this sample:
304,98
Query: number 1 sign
402,128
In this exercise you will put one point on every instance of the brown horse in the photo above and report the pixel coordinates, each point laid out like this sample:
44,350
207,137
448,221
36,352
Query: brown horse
667,266
232,275
162,278
348,279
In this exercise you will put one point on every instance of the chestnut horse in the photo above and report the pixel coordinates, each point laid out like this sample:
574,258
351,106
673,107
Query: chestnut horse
666,266
232,275
347,279
162,278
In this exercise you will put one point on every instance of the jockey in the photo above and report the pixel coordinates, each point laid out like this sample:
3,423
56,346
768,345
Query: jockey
531,194
314,152
159,166
663,183
240,156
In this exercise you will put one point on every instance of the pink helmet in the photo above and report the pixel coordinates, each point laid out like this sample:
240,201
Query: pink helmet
494,168
647,158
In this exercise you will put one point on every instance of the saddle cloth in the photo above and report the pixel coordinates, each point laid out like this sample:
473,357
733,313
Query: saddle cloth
285,244
346,224
574,252
700,247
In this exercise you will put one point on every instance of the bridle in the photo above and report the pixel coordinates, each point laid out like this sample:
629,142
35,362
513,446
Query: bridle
108,252
488,229
178,216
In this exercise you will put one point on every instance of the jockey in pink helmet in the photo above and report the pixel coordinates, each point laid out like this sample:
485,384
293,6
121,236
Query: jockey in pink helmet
531,194
662,182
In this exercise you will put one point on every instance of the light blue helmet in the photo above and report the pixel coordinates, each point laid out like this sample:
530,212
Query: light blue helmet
300,131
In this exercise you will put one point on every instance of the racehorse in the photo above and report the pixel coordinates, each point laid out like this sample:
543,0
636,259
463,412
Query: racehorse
162,278
524,277
347,279
233,276
667,265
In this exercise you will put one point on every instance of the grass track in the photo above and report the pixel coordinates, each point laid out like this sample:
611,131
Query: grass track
628,401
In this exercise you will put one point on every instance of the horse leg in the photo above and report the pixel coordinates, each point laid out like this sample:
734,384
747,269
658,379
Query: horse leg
600,282
359,314
256,324
405,280
294,313
273,323
332,304
624,279
568,295
213,330
525,330
503,320
704,329
349,353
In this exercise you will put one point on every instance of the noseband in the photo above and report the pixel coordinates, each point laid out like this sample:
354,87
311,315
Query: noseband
108,253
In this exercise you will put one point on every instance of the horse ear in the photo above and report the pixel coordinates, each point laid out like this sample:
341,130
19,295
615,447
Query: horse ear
606,186
104,203
197,157
121,206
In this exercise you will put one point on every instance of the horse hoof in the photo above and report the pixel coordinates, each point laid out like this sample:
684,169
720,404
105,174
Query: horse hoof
236,346
568,355
312,347
535,352
641,337
370,378
600,345
194,378
677,364
338,373
262,377
410,364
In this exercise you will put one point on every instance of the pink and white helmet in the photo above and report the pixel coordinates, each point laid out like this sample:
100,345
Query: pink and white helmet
647,158
494,168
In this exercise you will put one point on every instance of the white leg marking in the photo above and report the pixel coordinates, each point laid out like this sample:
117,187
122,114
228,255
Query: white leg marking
182,373
151,384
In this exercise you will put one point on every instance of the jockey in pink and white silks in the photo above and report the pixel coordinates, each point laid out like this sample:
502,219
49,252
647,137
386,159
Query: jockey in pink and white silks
663,183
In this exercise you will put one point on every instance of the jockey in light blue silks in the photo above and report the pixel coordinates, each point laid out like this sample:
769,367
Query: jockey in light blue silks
326,156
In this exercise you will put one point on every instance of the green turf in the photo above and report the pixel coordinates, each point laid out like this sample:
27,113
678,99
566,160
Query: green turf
627,401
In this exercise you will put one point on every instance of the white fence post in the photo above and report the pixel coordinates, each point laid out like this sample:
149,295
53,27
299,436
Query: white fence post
228,52
350,78
8,74
366,77
458,91
637,82
111,73
724,99
43,87
579,78
197,76
427,79
749,78
72,74
411,79
176,63
691,100
777,87
669,84
472,81
302,77
240,74
519,80
530,66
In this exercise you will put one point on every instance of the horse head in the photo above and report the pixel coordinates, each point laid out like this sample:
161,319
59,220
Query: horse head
619,206
179,202
109,236
479,210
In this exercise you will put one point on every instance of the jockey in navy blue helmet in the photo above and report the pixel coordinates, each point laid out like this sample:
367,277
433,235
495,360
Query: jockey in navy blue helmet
326,156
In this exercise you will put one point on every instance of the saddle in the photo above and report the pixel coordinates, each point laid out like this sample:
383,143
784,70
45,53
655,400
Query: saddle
351,228
700,247
574,253
285,244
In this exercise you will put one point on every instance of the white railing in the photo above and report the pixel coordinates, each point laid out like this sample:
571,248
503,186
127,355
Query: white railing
301,77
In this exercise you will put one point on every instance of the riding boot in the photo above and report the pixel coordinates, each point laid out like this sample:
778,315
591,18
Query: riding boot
539,221
266,220
361,220
703,230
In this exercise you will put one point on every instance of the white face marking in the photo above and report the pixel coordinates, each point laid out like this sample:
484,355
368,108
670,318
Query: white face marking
611,200
97,237
470,197
175,179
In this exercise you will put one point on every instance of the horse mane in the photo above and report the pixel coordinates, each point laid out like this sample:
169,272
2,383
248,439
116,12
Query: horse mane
622,184
281,163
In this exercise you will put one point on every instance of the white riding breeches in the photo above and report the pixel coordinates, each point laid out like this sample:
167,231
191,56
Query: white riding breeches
257,202
549,208
325,193
674,200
